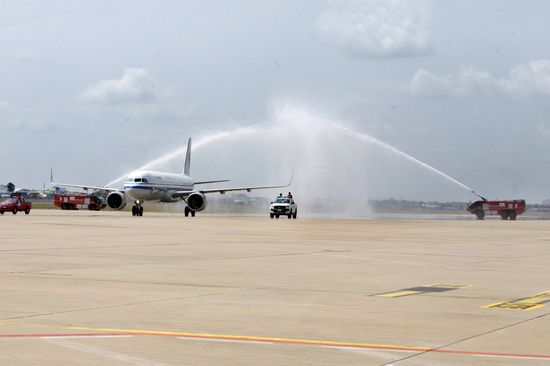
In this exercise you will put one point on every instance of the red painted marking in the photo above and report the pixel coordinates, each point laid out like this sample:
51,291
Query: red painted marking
279,340
351,345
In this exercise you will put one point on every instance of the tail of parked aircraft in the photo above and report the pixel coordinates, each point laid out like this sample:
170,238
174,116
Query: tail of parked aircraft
187,164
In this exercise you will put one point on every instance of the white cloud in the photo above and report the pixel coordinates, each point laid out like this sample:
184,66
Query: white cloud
377,28
4,104
531,79
135,86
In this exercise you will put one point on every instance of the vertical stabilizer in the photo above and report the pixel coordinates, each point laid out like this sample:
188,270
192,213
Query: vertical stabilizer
187,165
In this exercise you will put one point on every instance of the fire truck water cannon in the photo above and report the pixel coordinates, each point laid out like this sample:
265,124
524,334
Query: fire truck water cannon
506,209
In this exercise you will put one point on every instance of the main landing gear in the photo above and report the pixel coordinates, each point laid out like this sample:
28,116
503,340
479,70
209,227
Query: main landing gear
137,209
189,211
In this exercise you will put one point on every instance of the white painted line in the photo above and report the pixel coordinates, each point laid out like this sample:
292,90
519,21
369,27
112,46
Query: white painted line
105,353
224,340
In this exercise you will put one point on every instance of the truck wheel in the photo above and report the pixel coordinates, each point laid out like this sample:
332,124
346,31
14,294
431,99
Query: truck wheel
504,215
512,215
276,216
289,215
192,213
295,214
1,212
270,215
134,210
27,211
14,211
480,214
140,211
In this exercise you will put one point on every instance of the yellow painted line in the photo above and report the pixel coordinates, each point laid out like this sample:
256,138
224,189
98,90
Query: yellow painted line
529,303
513,306
399,293
332,344
534,300
253,338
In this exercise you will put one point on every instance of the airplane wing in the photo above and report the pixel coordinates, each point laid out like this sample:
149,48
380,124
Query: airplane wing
109,189
212,181
184,194
248,189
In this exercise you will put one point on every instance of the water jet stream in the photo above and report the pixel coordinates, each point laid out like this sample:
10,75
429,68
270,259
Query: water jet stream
387,147
201,142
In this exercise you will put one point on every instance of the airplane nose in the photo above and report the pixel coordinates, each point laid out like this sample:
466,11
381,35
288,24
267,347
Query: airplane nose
131,192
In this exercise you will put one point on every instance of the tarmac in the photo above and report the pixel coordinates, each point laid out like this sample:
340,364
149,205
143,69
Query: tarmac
106,288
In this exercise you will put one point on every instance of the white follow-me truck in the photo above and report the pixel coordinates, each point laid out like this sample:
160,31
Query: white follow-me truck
283,206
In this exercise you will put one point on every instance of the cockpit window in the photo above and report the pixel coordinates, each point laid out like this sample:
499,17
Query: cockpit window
138,180
145,180
130,180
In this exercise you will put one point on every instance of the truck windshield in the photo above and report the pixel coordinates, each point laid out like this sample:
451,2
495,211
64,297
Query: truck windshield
10,200
282,200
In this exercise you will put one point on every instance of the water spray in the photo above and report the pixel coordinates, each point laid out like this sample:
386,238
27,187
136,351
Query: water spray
385,146
309,130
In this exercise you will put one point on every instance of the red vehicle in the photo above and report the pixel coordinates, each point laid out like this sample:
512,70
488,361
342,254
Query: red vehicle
506,209
78,201
14,204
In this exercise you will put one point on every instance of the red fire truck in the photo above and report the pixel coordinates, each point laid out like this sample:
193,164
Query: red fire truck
79,201
506,209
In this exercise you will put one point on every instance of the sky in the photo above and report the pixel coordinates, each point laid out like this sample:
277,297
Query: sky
97,89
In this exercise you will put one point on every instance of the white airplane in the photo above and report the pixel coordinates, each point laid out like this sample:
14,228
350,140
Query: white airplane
143,185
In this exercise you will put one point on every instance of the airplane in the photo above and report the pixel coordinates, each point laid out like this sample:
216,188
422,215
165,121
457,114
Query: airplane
144,185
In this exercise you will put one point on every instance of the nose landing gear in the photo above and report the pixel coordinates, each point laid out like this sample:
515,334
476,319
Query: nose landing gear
137,209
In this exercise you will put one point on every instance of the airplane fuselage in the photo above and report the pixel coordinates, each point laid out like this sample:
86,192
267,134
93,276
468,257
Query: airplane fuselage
156,186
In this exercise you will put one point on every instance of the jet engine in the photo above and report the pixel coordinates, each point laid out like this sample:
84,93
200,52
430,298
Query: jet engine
196,201
116,200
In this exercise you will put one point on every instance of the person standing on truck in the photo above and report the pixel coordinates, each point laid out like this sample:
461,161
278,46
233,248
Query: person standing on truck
289,195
